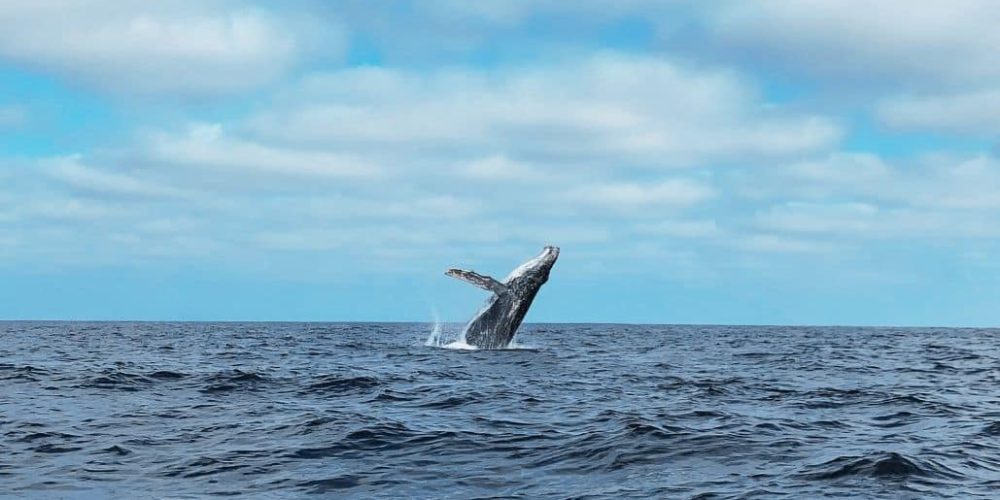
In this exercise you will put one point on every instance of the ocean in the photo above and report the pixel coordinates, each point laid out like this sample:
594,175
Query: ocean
366,410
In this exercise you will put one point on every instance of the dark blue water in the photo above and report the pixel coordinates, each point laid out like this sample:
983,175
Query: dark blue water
187,410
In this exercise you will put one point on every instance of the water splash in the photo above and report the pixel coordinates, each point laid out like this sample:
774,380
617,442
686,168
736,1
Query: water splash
434,339
438,339
461,345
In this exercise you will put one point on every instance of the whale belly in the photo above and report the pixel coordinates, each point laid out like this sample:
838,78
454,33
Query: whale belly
491,328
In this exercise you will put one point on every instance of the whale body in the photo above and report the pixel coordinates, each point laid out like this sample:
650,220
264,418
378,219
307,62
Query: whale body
497,322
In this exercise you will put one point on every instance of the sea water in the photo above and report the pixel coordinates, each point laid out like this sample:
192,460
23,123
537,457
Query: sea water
287,410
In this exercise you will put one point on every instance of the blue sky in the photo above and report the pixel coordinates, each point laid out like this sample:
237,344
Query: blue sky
720,162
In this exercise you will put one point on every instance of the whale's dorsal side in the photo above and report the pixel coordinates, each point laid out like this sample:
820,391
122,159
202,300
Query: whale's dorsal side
484,282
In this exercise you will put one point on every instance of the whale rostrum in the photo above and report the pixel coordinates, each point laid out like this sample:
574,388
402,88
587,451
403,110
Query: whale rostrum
495,325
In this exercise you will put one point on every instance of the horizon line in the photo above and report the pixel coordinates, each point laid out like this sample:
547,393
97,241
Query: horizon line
818,325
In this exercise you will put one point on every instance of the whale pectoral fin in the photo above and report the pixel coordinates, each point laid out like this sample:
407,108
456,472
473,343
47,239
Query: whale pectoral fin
484,282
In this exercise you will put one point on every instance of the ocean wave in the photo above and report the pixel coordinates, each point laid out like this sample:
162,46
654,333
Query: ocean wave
881,465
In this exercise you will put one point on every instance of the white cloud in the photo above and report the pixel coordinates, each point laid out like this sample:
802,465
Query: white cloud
72,172
935,42
635,196
935,61
655,159
410,161
397,205
66,209
680,229
424,239
179,46
850,218
851,168
379,157
772,243
851,198
857,222
429,32
943,181
319,239
501,169
611,110
207,146
975,112
838,174
957,183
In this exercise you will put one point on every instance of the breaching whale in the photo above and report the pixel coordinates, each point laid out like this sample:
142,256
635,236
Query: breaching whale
495,325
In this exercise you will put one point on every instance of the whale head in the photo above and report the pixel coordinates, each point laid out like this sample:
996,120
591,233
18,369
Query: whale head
537,269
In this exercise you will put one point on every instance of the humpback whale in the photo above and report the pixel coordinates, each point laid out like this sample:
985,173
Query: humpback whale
495,325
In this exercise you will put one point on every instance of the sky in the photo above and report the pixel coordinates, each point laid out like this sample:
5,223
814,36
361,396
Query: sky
719,162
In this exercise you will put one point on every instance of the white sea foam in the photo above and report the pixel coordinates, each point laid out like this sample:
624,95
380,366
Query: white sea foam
460,345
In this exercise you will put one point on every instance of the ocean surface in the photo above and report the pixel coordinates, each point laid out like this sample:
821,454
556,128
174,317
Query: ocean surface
300,410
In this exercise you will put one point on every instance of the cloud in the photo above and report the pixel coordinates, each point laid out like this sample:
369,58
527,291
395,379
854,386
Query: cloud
323,239
943,42
667,193
423,33
957,183
680,229
858,222
73,173
609,147
834,175
771,243
66,210
499,168
416,162
399,206
861,197
975,113
206,146
849,218
180,47
610,109
932,68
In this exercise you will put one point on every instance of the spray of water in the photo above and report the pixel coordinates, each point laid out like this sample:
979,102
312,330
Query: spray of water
434,339
438,339
460,345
